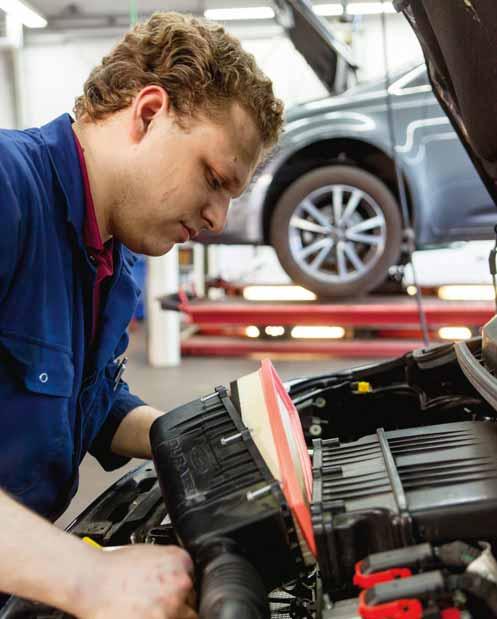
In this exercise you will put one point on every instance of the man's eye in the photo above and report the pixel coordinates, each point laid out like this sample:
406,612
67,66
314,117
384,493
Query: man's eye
214,182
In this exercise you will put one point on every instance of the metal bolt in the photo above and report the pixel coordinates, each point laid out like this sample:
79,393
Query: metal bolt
257,494
206,398
315,430
226,440
320,402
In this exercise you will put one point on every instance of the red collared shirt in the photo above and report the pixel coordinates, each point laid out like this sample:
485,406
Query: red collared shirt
101,255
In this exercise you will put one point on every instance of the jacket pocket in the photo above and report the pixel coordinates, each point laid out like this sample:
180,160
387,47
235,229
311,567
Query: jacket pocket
36,443
42,368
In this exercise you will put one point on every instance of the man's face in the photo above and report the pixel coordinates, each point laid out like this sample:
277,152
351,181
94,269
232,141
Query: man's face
178,180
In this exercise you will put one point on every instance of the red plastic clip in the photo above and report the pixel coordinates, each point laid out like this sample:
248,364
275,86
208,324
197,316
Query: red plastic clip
365,581
400,609
451,613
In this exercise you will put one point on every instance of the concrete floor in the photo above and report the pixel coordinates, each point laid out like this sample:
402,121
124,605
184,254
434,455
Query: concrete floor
171,387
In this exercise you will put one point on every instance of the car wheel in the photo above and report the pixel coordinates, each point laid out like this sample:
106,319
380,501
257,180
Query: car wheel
337,230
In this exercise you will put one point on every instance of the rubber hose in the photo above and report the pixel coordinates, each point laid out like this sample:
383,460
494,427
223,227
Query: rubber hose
232,589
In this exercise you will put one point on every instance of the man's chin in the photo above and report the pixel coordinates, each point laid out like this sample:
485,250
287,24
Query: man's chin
152,250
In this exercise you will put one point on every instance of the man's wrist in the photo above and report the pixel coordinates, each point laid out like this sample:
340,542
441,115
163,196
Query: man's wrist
132,436
79,595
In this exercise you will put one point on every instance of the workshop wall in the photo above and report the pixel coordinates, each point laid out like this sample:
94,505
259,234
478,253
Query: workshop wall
56,65
7,114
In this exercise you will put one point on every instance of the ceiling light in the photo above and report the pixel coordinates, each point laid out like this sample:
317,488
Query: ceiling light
252,331
23,13
454,333
318,333
275,331
466,293
254,12
354,8
369,8
277,293
329,10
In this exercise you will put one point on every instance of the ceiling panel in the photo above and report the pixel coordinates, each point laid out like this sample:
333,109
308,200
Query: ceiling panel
118,7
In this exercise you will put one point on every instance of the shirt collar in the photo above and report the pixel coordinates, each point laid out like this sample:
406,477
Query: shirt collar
58,136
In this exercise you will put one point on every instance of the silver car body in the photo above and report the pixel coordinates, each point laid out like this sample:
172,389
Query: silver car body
440,178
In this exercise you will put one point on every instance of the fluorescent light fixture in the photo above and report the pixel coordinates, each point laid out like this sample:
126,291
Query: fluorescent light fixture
454,333
277,293
253,12
370,8
318,333
23,13
333,9
475,292
354,8
252,331
274,331
329,10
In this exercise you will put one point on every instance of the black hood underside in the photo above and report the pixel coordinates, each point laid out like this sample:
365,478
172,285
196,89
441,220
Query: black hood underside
459,41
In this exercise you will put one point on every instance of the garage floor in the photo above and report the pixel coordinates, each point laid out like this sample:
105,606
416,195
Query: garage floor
168,388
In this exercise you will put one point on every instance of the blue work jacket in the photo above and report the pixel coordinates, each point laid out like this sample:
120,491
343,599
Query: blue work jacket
59,396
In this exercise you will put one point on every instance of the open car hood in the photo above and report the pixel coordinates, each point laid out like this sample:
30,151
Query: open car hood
459,41
330,59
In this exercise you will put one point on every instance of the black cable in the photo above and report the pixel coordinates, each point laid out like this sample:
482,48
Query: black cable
481,588
425,404
457,554
408,229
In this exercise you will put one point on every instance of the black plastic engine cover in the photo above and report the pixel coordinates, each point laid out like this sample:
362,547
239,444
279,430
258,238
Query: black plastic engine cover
217,487
393,489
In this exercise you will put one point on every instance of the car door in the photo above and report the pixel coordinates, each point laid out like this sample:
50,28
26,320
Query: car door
451,202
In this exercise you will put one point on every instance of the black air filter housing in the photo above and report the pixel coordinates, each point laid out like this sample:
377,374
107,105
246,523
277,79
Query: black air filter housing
393,489
218,489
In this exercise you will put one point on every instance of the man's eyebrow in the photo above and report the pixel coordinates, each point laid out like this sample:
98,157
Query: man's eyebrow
230,180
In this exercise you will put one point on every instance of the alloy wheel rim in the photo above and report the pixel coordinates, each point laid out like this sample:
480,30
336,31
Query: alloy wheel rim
337,234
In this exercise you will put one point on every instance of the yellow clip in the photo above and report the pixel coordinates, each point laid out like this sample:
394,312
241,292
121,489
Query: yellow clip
364,387
90,542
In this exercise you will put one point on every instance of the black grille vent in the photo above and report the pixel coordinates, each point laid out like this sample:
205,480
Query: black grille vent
397,488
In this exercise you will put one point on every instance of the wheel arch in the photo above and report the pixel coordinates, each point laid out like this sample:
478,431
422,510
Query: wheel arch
342,151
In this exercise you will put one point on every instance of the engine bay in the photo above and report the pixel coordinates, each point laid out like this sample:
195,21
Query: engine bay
402,504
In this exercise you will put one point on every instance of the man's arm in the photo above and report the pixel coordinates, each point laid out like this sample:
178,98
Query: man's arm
42,563
132,436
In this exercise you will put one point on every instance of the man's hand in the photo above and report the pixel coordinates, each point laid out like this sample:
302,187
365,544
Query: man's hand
139,582
41,563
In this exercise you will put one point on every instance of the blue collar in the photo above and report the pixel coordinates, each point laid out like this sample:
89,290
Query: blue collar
59,138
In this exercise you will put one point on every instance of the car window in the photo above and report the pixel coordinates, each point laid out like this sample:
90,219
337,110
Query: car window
411,81
418,80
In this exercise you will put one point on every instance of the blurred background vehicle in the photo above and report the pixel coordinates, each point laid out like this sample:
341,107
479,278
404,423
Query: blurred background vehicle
328,201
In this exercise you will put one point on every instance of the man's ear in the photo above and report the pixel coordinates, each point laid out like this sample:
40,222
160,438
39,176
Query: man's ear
150,102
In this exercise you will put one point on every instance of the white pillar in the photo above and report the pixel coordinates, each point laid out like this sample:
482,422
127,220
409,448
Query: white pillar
199,268
163,327
212,261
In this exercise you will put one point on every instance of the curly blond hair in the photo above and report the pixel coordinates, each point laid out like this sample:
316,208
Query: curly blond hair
200,66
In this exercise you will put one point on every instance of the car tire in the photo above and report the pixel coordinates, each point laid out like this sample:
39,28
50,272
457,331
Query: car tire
310,202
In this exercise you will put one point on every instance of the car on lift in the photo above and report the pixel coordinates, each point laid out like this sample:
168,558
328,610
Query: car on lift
328,199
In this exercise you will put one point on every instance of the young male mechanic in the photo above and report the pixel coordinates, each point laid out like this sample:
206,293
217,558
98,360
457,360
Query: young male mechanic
171,126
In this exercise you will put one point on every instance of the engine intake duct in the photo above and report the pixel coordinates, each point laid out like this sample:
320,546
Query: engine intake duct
399,488
220,493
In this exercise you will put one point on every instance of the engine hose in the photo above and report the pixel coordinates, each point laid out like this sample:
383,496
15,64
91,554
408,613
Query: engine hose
457,554
481,588
232,589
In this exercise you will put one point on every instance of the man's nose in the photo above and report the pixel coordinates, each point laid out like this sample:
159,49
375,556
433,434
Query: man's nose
215,214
